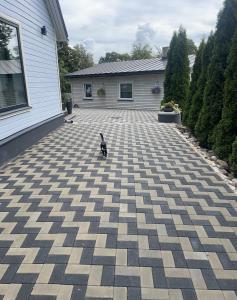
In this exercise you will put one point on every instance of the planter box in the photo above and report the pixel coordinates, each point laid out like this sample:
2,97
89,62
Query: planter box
169,117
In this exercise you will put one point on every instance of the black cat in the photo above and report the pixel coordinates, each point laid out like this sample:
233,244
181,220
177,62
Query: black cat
103,146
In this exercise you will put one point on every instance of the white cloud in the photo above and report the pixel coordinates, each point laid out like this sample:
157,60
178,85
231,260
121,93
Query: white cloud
89,44
114,25
145,34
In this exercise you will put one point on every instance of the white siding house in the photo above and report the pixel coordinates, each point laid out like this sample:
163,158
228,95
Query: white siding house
136,84
29,76
142,96
127,85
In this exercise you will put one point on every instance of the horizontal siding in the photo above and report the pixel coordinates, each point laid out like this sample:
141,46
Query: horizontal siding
40,62
142,95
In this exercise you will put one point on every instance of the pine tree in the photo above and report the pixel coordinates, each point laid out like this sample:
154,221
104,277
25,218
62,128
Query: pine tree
233,158
214,91
197,99
197,69
177,73
181,74
226,130
168,84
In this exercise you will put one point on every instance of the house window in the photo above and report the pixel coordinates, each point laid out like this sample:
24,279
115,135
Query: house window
88,90
12,80
126,91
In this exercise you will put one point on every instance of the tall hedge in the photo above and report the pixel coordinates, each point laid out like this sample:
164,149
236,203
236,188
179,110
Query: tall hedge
226,130
214,91
197,69
168,84
177,73
197,99
233,157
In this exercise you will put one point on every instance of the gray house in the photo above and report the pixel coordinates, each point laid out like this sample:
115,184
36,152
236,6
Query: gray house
127,84
30,98
136,84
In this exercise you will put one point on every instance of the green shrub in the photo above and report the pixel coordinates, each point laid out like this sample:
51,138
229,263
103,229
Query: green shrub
226,130
214,92
197,100
197,69
101,92
176,83
233,158
172,105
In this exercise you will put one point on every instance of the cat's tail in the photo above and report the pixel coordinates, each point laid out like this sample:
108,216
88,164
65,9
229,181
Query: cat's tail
102,137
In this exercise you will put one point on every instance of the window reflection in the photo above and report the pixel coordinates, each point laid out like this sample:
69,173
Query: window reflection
12,82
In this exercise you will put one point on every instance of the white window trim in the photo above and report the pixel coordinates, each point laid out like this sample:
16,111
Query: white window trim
119,91
84,91
29,107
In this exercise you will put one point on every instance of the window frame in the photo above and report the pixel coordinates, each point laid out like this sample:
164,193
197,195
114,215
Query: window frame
14,23
126,99
84,91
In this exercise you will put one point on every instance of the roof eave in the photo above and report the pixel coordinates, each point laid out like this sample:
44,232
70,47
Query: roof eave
55,13
114,74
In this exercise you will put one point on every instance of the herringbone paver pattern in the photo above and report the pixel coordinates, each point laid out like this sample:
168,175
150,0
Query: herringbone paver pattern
153,221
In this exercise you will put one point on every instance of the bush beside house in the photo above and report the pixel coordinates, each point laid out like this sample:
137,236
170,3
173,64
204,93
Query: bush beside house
226,130
214,90
176,85
210,106
194,84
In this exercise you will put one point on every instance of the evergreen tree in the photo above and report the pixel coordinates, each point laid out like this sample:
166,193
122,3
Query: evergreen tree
197,69
197,99
233,158
177,72
214,91
226,130
182,73
168,84
192,48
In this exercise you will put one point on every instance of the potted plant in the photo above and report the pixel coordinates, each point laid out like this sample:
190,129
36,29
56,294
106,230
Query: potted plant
170,112
101,92
67,100
156,90
170,106
63,104
69,106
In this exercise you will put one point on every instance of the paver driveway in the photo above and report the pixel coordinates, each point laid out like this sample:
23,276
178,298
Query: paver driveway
153,221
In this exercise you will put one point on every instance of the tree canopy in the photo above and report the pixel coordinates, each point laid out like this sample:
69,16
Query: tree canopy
177,79
141,52
192,48
214,90
5,35
71,59
226,130
213,108
138,52
114,57
197,69
197,98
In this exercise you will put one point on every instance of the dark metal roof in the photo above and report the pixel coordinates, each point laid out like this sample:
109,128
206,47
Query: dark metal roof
154,65
131,67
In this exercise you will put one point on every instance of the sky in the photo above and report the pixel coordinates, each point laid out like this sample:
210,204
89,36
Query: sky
115,25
